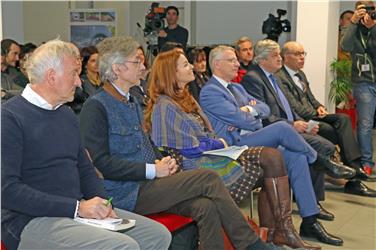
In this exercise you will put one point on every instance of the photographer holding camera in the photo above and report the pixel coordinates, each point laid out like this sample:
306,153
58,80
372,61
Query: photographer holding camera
360,41
173,32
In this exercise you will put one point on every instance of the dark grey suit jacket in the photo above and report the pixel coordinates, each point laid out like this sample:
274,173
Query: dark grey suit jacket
257,84
303,103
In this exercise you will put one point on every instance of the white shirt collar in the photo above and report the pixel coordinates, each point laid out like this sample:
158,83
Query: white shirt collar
221,81
266,72
294,77
31,96
290,71
121,92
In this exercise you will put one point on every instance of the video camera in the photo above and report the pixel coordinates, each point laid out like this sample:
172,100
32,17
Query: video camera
273,26
154,22
371,11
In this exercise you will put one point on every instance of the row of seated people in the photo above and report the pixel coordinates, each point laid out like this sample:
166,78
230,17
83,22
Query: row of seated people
118,144
14,76
275,142
47,179
294,86
304,105
333,127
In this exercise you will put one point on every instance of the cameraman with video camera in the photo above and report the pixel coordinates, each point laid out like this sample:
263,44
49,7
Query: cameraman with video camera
360,41
173,32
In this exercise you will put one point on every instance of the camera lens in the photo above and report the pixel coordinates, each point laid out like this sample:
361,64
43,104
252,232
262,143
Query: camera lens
373,15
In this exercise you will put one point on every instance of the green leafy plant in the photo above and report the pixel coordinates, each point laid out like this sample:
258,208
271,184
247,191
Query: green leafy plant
341,87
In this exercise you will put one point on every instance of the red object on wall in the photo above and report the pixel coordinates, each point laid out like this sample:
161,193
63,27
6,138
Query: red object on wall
350,112
3,246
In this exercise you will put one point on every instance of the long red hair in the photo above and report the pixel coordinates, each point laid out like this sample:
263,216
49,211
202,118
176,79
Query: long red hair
163,81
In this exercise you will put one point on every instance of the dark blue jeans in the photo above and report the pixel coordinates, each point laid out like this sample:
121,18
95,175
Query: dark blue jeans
365,96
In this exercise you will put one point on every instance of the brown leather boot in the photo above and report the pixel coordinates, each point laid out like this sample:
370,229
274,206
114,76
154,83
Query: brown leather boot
278,194
266,217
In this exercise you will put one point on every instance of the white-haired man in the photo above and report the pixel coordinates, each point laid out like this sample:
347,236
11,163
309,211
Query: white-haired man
47,179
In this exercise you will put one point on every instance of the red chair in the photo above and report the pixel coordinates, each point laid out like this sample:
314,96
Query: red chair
3,246
173,222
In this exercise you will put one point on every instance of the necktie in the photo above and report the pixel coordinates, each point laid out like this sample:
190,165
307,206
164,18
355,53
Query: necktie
233,91
282,98
301,81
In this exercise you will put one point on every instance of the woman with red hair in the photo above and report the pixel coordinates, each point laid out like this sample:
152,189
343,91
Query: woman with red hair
177,124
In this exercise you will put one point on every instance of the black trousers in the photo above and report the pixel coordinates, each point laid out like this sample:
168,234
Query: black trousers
199,194
337,129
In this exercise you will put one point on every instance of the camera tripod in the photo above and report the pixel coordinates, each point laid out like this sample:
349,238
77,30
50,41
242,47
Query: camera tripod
151,53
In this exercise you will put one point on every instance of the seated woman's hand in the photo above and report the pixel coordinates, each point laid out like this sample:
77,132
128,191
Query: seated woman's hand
224,142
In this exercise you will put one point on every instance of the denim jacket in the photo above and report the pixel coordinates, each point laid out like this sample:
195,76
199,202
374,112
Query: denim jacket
128,141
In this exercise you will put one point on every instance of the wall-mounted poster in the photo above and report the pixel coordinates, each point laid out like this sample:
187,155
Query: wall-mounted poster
89,27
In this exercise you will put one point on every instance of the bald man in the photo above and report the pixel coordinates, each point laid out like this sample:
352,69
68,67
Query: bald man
334,127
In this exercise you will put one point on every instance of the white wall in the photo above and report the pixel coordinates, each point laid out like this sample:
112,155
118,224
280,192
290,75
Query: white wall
224,22
346,5
45,20
319,39
12,20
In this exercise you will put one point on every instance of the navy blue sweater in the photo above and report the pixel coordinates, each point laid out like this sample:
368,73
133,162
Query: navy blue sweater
44,169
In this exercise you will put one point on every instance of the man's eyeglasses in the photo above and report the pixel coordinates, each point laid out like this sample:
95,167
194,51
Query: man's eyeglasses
303,54
138,62
230,60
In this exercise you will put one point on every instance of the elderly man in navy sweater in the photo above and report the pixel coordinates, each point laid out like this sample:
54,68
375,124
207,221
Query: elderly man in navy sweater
47,179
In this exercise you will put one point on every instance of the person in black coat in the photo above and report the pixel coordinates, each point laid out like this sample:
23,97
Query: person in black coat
197,58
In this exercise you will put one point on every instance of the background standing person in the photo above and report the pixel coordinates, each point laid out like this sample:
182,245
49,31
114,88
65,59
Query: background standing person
360,41
173,32
344,21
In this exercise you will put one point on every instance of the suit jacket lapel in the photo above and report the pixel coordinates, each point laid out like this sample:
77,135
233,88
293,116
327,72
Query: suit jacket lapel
270,87
226,91
291,81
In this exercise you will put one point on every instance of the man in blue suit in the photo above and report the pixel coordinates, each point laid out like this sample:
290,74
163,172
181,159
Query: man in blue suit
237,117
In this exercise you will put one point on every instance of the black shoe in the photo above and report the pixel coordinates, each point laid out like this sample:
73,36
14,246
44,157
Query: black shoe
362,175
324,214
337,170
359,188
317,231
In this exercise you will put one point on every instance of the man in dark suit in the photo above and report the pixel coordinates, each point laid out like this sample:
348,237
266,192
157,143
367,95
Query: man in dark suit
236,117
334,127
263,85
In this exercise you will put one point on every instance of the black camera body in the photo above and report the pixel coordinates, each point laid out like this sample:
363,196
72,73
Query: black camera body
274,26
154,20
371,11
